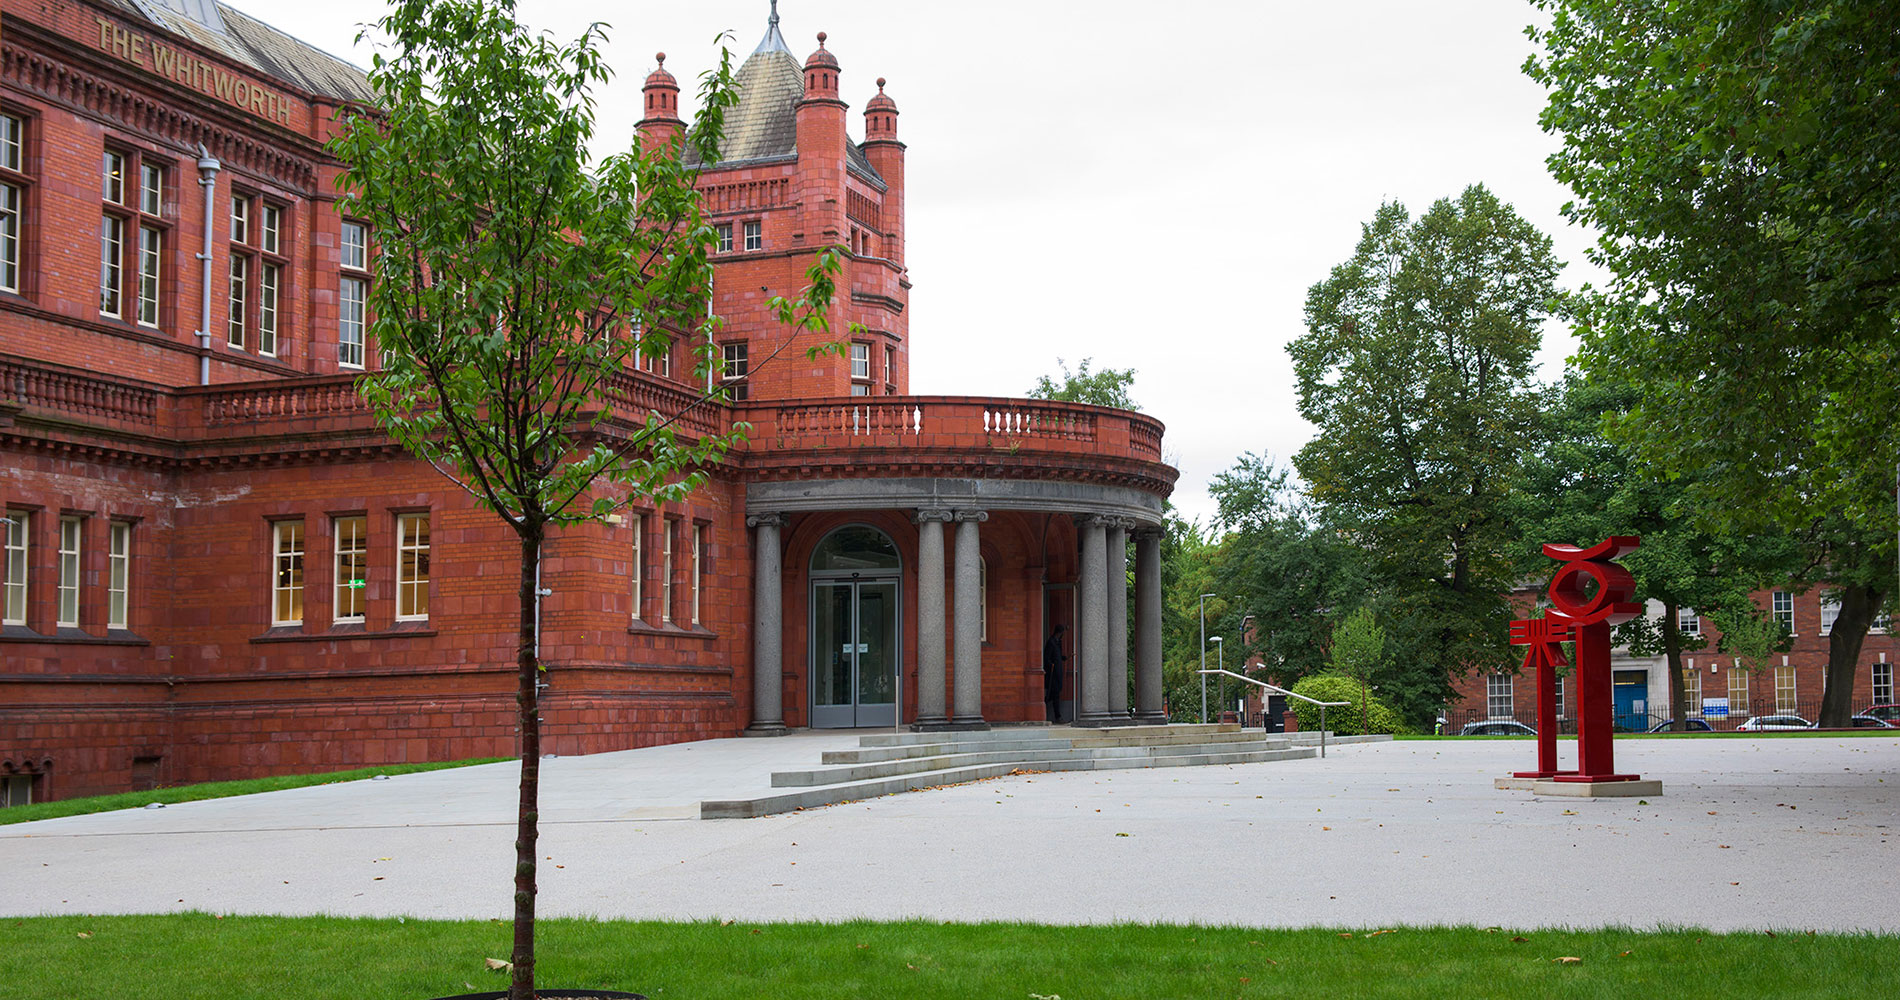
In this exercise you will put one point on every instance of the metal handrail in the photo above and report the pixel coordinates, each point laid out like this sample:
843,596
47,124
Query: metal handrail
1323,705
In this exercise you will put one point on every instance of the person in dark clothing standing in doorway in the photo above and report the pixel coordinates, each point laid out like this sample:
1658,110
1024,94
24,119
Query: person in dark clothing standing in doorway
1052,660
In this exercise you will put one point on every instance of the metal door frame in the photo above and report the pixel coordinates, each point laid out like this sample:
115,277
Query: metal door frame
856,580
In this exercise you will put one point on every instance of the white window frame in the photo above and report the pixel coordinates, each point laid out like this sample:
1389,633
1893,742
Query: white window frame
16,790
72,533
1738,684
237,319
724,232
1830,612
1882,678
151,264
666,570
1692,693
860,361
1499,690
699,540
119,576
352,321
11,200
151,188
1787,694
1560,698
637,583
349,545
287,573
111,266
754,231
1688,622
1781,602
412,567
19,568
240,218
112,183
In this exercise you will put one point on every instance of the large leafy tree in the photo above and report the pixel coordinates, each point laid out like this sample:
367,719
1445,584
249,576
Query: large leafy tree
1579,486
1738,158
1416,369
517,280
1107,387
1294,578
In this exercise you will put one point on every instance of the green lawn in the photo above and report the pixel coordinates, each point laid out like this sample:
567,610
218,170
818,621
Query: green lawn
213,790
1773,734
280,958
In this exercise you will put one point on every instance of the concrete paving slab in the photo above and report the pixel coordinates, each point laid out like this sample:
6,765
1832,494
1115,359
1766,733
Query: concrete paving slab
1754,833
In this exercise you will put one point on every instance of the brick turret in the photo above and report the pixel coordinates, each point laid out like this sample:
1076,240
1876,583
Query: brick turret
821,149
662,121
887,156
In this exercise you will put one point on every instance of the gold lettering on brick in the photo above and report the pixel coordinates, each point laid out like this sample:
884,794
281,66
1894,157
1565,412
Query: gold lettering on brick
164,61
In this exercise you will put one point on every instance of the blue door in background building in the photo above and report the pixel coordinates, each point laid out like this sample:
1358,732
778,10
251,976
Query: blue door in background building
1631,691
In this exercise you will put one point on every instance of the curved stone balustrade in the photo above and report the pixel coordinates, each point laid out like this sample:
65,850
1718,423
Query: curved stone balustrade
924,422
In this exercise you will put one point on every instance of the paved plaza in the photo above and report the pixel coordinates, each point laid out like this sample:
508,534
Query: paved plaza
1749,833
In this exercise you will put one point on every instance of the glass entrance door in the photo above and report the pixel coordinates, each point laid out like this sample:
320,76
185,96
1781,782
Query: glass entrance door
854,653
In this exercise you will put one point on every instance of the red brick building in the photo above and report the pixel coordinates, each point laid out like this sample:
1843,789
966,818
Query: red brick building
1717,688
216,566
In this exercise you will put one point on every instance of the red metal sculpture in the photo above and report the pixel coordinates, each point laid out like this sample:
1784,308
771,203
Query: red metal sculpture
1583,615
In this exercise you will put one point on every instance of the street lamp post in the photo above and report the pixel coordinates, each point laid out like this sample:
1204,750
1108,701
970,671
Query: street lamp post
1204,598
1220,662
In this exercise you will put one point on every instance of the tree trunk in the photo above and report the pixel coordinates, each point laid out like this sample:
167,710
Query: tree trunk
1672,654
1858,602
528,699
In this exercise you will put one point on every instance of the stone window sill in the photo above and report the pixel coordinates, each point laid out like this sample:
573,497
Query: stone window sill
687,632
352,630
72,637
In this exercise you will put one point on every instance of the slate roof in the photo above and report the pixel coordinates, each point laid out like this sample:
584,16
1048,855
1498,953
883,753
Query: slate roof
764,124
251,42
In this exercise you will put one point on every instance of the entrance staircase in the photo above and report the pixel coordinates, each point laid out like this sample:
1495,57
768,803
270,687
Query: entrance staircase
900,762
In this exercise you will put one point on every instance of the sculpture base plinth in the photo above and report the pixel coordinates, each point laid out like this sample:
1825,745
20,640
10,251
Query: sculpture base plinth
1599,789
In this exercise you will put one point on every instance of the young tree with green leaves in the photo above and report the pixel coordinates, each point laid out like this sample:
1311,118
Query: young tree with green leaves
1108,387
1416,370
516,282
1737,158
1359,653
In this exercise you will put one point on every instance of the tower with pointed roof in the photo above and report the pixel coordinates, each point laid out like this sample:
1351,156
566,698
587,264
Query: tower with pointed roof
790,180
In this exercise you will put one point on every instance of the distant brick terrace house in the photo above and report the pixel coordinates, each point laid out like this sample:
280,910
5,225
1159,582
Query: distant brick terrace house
1716,688
216,566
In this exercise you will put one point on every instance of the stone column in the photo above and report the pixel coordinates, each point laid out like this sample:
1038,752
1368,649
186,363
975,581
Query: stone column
1148,627
1092,629
969,635
930,674
1117,591
768,603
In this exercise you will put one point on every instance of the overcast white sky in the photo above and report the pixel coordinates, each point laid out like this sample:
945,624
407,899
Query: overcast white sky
1153,186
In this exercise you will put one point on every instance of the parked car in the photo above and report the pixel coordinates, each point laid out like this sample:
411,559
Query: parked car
1497,728
1763,723
1889,714
1694,726
1865,721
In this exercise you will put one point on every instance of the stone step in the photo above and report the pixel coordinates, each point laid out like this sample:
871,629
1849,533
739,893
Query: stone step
867,768
822,795
947,743
1014,732
867,754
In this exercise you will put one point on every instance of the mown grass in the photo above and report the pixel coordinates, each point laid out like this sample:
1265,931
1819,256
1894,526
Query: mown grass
214,790
285,958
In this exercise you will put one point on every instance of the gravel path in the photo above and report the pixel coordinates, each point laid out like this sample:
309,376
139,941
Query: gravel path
1749,833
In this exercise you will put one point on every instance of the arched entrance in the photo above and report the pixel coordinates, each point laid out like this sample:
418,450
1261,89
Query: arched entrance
855,643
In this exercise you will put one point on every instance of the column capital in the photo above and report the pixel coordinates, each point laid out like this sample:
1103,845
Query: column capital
1140,531
766,519
1095,520
978,516
923,514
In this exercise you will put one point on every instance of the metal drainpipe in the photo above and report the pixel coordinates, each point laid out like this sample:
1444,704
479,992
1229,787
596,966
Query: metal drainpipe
208,166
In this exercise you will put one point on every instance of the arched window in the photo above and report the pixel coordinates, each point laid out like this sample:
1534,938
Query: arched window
855,547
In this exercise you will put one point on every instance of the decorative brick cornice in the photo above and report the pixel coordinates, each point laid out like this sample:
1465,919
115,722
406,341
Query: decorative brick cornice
67,80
